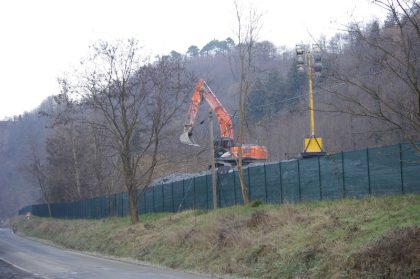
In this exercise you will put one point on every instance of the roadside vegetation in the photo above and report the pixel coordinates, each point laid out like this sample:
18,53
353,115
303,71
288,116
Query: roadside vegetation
352,238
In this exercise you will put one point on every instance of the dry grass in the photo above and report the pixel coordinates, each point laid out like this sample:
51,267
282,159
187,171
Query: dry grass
309,240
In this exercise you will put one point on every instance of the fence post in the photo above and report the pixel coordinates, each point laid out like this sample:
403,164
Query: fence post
298,167
153,199
368,170
319,179
114,208
207,193
234,188
265,183
401,169
163,197
183,192
249,187
194,200
218,188
172,194
343,174
121,207
144,200
281,184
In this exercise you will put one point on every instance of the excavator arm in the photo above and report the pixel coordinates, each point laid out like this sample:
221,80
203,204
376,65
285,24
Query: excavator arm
203,92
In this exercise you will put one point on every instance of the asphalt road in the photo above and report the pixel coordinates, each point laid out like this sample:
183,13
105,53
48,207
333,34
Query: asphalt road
30,259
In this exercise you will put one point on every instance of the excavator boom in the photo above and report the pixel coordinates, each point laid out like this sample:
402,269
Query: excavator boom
226,152
203,91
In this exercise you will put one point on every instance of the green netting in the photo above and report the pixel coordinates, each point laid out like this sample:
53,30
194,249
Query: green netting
148,197
178,195
377,171
226,190
310,188
168,201
158,198
290,181
411,170
273,184
385,170
112,204
257,183
141,205
188,197
209,192
41,210
124,202
332,186
201,192
356,174
96,208
238,191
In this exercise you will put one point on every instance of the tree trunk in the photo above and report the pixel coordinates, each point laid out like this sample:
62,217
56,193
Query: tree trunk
129,181
49,209
244,188
76,167
132,197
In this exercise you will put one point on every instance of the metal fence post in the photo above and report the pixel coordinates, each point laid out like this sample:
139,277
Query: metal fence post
368,171
153,199
172,194
144,201
194,200
183,192
219,197
234,188
163,197
401,170
281,184
249,185
343,174
298,167
319,179
207,193
265,184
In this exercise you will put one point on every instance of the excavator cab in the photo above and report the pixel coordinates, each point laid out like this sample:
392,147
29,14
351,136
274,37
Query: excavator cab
222,145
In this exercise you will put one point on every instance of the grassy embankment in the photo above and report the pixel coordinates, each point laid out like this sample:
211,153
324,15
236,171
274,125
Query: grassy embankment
366,238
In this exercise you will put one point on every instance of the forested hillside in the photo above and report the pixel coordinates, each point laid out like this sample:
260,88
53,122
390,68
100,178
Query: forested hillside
73,145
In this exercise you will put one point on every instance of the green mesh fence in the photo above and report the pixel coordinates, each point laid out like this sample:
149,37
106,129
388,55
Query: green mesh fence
309,173
201,193
273,183
226,189
331,177
410,161
290,180
391,169
257,183
356,174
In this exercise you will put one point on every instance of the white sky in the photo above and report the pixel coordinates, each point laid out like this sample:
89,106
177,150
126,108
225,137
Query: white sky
42,39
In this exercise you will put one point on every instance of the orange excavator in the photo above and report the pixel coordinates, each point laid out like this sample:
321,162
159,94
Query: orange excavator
226,152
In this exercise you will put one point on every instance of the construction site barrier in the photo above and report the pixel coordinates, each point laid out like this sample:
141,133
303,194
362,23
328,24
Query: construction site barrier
380,171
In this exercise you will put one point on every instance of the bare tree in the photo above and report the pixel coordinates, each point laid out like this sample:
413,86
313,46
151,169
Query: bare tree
34,167
133,102
248,28
377,76
37,169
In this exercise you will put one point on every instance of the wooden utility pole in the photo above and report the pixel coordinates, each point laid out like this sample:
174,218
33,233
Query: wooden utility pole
213,162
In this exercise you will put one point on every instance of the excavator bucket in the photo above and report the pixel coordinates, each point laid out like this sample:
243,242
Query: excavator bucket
186,139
